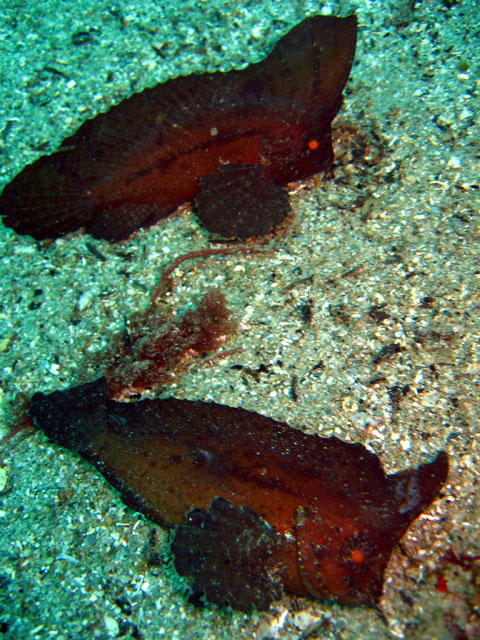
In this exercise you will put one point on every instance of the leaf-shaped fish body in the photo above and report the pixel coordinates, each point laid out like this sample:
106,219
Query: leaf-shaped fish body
138,162
318,515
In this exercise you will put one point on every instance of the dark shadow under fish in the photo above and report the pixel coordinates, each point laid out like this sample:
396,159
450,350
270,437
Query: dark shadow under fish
231,140
260,507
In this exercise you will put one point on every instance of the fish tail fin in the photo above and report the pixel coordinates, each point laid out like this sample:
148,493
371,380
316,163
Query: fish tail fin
46,200
69,417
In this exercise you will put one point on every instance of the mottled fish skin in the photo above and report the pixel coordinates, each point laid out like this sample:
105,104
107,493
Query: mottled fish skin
138,162
319,515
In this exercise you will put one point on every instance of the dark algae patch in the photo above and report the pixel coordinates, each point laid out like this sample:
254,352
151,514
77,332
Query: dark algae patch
232,141
156,346
260,507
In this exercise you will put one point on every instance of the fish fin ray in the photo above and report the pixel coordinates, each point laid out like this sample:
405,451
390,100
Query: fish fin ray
230,552
241,201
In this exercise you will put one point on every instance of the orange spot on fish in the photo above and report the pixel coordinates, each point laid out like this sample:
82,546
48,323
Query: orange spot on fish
357,556
441,585
313,144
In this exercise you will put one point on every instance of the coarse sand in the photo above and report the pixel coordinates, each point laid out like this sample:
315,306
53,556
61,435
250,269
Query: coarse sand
360,320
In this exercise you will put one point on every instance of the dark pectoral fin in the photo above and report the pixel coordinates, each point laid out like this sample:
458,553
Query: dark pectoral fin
241,201
232,554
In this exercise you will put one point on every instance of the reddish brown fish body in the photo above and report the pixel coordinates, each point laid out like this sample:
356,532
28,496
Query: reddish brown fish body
139,161
319,516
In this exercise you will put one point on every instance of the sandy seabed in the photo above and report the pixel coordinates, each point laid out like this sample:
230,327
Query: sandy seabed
384,254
